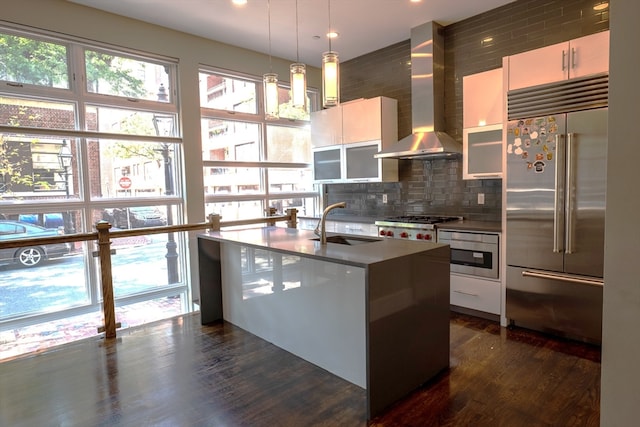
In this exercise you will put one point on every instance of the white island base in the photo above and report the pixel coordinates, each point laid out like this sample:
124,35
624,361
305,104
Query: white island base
375,314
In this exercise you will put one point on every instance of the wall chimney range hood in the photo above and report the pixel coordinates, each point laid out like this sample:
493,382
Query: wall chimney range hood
428,139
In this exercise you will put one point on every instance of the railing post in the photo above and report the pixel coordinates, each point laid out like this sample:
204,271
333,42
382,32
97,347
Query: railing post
108,304
292,222
214,220
271,211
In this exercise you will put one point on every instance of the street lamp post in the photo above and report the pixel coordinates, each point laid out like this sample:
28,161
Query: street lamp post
64,158
163,125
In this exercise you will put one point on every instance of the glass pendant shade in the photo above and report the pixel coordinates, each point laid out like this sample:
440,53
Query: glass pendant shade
330,79
271,104
298,85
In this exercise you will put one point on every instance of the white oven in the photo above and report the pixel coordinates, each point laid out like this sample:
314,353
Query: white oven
472,253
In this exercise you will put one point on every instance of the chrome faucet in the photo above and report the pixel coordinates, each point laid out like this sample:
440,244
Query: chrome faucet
321,230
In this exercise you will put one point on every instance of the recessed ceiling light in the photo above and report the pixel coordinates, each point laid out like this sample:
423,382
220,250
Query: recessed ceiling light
239,2
415,1
332,35
601,6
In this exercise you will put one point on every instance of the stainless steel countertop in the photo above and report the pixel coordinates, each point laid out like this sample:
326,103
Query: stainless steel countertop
299,242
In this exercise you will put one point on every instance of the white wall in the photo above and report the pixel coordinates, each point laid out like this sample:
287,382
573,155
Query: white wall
620,396
71,19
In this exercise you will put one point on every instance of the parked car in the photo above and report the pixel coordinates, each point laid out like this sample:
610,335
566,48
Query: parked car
135,217
30,256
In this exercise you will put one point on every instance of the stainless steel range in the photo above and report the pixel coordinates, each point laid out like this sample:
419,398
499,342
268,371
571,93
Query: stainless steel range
413,227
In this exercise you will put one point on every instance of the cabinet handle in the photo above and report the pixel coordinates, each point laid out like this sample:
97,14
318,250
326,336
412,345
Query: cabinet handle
573,57
466,293
487,175
564,54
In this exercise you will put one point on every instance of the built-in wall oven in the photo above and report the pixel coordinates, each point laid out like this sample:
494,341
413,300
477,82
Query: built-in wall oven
472,253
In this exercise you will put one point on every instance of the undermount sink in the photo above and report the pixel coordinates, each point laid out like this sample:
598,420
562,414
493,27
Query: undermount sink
349,240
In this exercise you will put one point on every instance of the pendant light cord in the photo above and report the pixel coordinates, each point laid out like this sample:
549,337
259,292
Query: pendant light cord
269,25
330,30
297,47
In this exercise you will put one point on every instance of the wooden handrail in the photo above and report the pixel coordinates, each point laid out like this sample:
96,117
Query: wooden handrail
104,237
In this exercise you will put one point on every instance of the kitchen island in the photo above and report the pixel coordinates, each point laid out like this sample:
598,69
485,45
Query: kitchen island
372,311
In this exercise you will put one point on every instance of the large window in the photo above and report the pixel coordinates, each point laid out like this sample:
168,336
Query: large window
88,133
251,164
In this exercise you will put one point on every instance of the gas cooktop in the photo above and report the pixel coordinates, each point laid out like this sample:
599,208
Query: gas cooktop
416,219
422,219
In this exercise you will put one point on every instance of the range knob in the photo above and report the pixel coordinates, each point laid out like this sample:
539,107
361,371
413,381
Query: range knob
420,236
404,234
390,233
383,233
427,237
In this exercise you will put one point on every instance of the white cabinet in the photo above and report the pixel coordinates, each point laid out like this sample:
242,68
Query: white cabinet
353,163
328,163
482,107
326,127
369,119
475,293
342,227
482,99
575,58
367,126
482,152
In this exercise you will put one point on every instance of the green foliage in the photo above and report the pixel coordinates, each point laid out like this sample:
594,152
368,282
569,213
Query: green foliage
32,61
115,71
36,62
11,165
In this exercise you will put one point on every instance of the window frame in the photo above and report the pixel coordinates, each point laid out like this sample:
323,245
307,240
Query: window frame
265,196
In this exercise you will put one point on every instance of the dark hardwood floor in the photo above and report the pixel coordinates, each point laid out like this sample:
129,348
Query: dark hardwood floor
179,373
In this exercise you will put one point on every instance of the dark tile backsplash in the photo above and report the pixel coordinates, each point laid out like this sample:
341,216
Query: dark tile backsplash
436,186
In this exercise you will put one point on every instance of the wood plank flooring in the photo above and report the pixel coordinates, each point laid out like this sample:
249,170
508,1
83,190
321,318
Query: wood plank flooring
179,373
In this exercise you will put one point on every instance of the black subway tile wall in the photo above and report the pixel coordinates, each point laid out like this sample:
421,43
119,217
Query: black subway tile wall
436,186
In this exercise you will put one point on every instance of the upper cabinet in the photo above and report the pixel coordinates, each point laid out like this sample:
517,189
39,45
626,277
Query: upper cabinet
482,116
326,127
368,120
575,58
482,98
344,148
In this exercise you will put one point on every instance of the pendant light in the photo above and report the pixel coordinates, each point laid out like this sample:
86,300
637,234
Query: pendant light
298,77
270,83
330,73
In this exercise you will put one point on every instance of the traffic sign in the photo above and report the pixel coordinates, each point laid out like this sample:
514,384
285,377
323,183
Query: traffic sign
125,182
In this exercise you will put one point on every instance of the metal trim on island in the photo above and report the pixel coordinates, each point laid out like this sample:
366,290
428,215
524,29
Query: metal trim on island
375,313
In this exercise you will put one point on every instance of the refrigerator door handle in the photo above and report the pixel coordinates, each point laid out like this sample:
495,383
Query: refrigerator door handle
558,200
568,234
563,277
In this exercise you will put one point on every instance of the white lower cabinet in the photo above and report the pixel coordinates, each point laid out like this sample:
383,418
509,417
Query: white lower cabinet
344,227
360,228
475,293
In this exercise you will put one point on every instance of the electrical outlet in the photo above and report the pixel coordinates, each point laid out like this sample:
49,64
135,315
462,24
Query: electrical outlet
481,198
384,198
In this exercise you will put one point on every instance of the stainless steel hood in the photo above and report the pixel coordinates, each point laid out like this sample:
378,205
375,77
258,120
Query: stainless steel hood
428,138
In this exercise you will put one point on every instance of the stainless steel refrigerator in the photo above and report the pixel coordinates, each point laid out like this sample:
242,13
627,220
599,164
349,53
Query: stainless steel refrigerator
556,180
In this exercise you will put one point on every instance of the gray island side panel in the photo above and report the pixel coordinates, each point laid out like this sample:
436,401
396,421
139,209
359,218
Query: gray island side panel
408,325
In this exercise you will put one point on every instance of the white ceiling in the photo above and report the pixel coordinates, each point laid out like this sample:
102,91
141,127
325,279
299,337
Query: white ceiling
363,25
